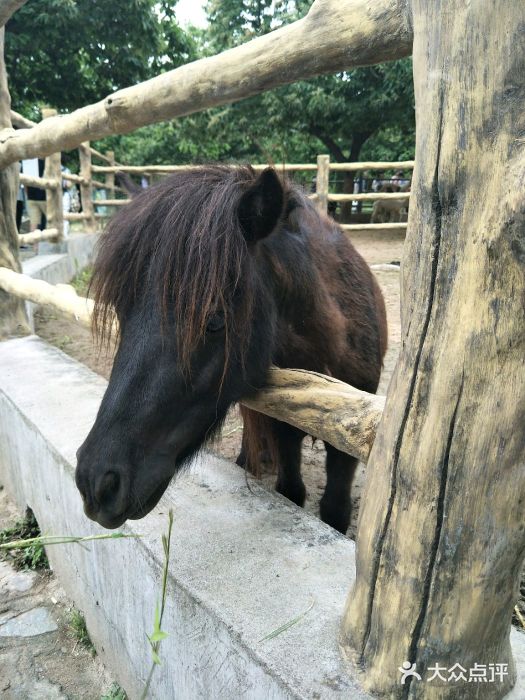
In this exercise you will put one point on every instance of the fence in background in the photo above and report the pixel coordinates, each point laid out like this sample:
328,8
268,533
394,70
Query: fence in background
95,178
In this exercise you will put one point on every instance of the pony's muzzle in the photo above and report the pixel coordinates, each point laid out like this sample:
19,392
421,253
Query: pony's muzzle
105,495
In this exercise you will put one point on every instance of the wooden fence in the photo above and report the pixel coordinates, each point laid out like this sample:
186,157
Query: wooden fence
95,177
440,534
322,194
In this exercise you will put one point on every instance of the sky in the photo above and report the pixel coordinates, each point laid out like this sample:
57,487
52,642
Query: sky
191,12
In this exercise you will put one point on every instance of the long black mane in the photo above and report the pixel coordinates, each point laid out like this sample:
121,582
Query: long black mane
183,239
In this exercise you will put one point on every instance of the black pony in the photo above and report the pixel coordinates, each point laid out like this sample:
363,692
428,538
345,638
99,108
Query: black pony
214,275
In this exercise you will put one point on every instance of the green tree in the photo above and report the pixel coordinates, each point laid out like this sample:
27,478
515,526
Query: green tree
69,53
343,113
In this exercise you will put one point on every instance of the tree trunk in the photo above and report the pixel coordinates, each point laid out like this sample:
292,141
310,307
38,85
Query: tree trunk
13,319
441,534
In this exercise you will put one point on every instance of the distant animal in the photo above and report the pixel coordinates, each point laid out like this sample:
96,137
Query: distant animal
390,210
214,275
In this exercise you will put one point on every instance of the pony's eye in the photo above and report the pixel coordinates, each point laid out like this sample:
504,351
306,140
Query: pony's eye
215,323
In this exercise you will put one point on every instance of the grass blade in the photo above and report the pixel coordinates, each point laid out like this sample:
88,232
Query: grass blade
46,540
288,624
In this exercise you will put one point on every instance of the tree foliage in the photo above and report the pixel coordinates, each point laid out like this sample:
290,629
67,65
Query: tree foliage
69,53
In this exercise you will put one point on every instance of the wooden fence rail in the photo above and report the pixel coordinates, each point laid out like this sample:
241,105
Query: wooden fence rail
89,184
322,406
322,195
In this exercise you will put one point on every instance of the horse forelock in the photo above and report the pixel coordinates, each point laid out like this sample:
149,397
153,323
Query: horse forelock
181,241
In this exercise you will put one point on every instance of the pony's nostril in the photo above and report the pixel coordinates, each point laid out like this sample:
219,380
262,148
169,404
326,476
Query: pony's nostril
107,488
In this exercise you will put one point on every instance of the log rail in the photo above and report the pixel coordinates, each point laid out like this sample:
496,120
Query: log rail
114,196
322,406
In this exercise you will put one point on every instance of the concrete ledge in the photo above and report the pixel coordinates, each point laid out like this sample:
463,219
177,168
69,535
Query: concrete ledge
243,562
60,266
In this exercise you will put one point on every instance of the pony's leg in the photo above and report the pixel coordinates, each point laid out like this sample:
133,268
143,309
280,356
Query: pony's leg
287,444
335,506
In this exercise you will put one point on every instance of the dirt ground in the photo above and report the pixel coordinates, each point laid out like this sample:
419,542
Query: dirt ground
77,342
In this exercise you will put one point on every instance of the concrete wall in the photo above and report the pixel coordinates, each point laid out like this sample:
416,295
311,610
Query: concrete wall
57,264
243,562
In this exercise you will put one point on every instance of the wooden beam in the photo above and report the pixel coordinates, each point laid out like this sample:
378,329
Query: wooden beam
323,407
322,183
374,165
8,8
48,234
61,297
145,169
76,216
21,122
40,182
368,196
75,178
101,156
350,32
110,177
111,202
86,187
53,173
392,227
441,534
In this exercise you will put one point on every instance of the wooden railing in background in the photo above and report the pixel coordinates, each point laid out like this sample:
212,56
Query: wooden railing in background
89,185
322,194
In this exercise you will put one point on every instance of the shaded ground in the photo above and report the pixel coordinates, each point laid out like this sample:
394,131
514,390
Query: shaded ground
77,342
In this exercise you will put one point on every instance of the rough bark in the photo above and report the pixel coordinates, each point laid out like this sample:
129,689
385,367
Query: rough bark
335,35
86,187
441,533
13,319
8,8
323,407
53,173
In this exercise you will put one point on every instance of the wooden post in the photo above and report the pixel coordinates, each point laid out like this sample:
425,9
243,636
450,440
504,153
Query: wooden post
86,188
441,534
53,171
322,183
110,177
13,319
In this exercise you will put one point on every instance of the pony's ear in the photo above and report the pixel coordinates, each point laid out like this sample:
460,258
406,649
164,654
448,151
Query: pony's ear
261,206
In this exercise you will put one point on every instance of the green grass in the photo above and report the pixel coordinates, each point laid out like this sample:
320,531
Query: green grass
63,342
115,693
77,624
32,557
82,280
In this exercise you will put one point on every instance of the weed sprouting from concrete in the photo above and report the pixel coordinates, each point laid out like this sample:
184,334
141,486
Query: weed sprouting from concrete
115,692
81,282
77,624
33,555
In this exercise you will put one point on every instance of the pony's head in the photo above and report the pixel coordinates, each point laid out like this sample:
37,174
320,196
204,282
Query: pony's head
179,269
